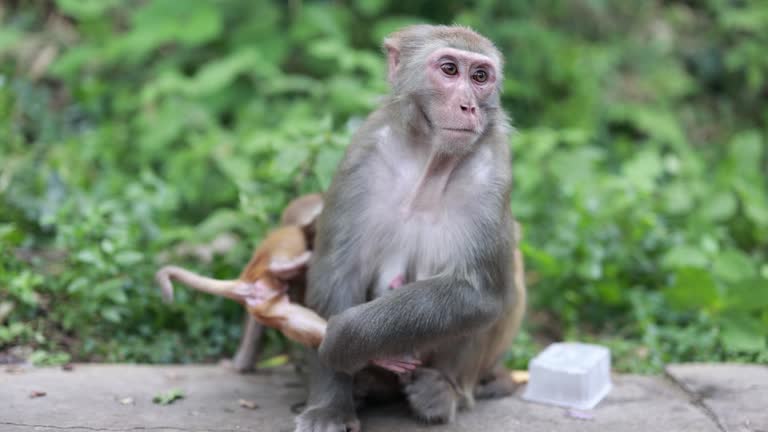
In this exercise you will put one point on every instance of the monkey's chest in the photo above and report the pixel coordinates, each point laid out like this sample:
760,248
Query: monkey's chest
408,242
412,247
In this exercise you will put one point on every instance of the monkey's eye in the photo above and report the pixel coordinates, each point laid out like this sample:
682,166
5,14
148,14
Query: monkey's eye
480,76
449,68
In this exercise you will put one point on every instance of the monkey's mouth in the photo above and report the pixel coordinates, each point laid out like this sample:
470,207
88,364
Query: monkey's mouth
461,130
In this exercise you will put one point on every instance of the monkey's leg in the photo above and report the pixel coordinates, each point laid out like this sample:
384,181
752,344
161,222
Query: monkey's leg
330,403
223,288
437,392
495,381
249,345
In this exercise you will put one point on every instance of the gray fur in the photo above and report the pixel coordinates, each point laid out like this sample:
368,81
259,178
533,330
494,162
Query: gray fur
432,396
454,235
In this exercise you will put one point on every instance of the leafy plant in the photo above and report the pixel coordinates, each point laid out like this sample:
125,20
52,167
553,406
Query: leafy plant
128,140
168,397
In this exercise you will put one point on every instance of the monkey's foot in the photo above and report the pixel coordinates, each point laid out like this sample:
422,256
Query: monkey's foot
497,384
431,396
257,293
326,420
398,365
288,268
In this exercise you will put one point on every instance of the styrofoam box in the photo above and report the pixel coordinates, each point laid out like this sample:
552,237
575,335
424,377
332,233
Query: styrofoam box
574,375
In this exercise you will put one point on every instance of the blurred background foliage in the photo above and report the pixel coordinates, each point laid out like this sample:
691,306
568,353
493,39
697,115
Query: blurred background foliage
133,133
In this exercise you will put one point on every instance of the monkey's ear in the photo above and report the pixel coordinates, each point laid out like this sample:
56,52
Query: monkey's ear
392,46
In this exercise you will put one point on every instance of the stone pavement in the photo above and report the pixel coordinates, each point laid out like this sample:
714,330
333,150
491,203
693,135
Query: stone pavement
696,397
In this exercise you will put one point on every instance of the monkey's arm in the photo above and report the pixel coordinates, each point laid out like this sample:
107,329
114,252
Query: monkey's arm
411,318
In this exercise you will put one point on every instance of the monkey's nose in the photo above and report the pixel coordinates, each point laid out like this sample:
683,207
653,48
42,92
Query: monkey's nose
468,109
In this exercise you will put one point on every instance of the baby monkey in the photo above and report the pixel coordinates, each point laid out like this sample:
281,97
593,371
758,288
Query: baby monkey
280,261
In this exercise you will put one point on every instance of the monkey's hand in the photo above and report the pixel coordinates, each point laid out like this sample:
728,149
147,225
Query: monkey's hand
412,318
399,365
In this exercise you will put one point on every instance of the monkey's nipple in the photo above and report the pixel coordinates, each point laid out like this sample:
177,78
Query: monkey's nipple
397,282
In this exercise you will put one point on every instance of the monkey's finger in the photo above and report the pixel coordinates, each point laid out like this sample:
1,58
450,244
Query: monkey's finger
410,359
389,367
408,363
395,365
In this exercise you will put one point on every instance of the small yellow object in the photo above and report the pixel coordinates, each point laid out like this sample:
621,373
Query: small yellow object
519,376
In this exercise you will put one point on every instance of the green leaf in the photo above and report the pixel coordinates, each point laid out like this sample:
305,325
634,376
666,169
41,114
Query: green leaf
111,314
733,265
684,256
574,166
720,206
86,8
754,200
288,161
643,170
741,333
89,256
678,198
45,358
8,39
693,288
371,7
325,165
746,152
543,261
748,295
168,397
128,258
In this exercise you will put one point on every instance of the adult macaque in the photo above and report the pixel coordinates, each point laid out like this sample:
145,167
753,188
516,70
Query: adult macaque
262,286
422,197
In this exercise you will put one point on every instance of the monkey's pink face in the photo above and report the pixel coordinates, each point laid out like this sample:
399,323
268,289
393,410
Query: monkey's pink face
462,82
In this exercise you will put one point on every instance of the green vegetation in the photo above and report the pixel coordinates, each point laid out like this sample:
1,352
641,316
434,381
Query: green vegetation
131,131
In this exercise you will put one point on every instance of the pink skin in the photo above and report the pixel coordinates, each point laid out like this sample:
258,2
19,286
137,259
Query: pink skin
397,282
406,363
401,365
457,76
258,292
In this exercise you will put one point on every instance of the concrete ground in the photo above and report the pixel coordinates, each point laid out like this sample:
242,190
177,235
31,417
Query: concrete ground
695,397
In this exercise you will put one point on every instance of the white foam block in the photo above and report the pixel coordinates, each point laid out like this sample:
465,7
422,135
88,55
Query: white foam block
569,374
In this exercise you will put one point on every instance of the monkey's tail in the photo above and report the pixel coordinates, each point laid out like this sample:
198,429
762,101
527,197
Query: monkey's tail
223,288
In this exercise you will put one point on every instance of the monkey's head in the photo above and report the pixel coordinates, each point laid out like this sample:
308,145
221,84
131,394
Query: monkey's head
447,82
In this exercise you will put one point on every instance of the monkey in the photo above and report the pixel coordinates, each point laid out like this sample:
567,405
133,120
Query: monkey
262,286
300,212
259,288
303,212
422,195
